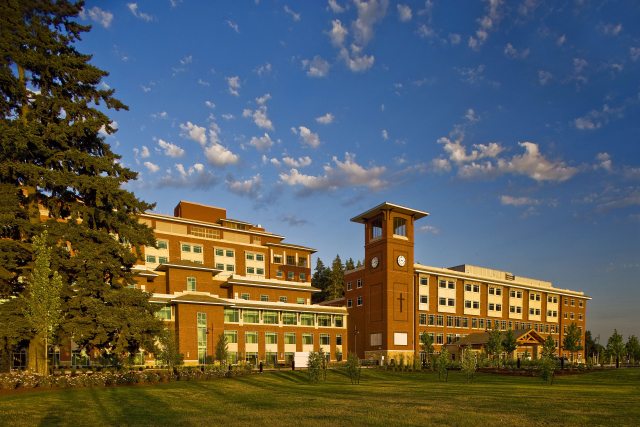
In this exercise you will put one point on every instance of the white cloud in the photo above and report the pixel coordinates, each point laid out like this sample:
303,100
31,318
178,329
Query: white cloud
169,149
195,176
513,53
335,6
113,127
219,155
144,152
404,13
441,165
133,8
194,132
209,104
262,143
249,188
160,115
534,165
634,53
518,201
595,119
295,16
429,229
233,26
316,67
455,38
309,138
228,116
487,23
186,60
426,32
338,33
561,40
259,115
233,85
472,75
326,119
265,68
471,116
458,152
152,167
300,162
339,175
604,162
385,134
98,15
356,63
369,13
544,77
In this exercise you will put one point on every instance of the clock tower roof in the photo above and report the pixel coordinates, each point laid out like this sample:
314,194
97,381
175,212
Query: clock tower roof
386,206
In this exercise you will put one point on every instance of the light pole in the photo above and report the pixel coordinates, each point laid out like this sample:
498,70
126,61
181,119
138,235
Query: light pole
355,339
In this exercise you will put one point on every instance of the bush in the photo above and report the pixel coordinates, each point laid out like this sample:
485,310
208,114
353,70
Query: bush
353,368
547,369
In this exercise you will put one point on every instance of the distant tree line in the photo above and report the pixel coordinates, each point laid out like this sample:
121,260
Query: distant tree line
330,280
616,350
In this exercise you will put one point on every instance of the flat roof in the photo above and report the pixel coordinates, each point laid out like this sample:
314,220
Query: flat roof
386,206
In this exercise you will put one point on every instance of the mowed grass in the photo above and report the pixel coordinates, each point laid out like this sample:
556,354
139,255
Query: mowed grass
609,398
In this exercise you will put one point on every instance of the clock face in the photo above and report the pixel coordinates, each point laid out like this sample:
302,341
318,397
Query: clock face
401,260
374,262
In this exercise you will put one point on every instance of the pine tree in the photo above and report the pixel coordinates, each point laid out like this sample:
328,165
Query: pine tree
43,302
222,349
349,265
336,286
571,341
549,347
53,159
321,279
494,344
615,347
509,343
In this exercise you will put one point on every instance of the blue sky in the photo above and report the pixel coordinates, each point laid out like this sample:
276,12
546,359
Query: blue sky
513,123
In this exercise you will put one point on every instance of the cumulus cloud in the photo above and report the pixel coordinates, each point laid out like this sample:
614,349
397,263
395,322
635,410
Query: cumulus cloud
325,119
316,67
259,115
249,188
441,165
610,29
487,23
233,85
544,77
513,53
335,6
98,15
534,165
338,33
152,167
194,132
196,176
265,68
634,53
458,152
384,134
604,162
262,143
300,162
135,11
404,13
219,155
340,174
169,149
308,138
233,26
214,151
143,152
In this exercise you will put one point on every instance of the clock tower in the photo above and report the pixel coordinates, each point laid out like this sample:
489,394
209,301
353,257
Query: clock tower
382,321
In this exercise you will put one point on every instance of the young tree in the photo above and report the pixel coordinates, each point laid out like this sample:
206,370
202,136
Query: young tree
633,348
54,159
549,347
359,264
42,302
442,365
353,368
336,286
426,344
571,341
314,365
509,343
222,349
494,345
168,353
469,364
349,265
616,347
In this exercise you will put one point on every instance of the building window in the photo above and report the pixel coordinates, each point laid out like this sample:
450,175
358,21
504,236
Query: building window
270,338
229,253
467,304
245,296
250,256
376,229
219,252
289,319
251,338
439,320
185,247
279,273
151,259
359,283
400,227
306,320
307,339
230,267
191,283
476,304
202,337
231,336
197,249
359,300
580,304
164,313
290,275
566,301
264,298
349,303
424,281
231,315
439,338
450,321
283,299
300,300
324,320
338,339
303,277
442,301
277,259
270,317
573,302
339,321
291,260
375,339
251,270
451,302
442,283
476,289
451,284
259,257
423,319
163,244
498,291
424,299
431,320
324,339
289,337
348,286
250,316
498,307
163,260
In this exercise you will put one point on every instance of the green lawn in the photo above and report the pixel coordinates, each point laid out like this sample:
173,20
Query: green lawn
383,398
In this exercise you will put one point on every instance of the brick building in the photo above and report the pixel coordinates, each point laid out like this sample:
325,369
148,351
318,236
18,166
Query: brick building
392,300
214,275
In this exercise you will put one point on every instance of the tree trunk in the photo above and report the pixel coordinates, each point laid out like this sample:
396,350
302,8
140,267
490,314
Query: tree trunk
37,355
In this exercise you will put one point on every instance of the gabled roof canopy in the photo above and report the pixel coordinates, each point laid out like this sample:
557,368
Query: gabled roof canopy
386,206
